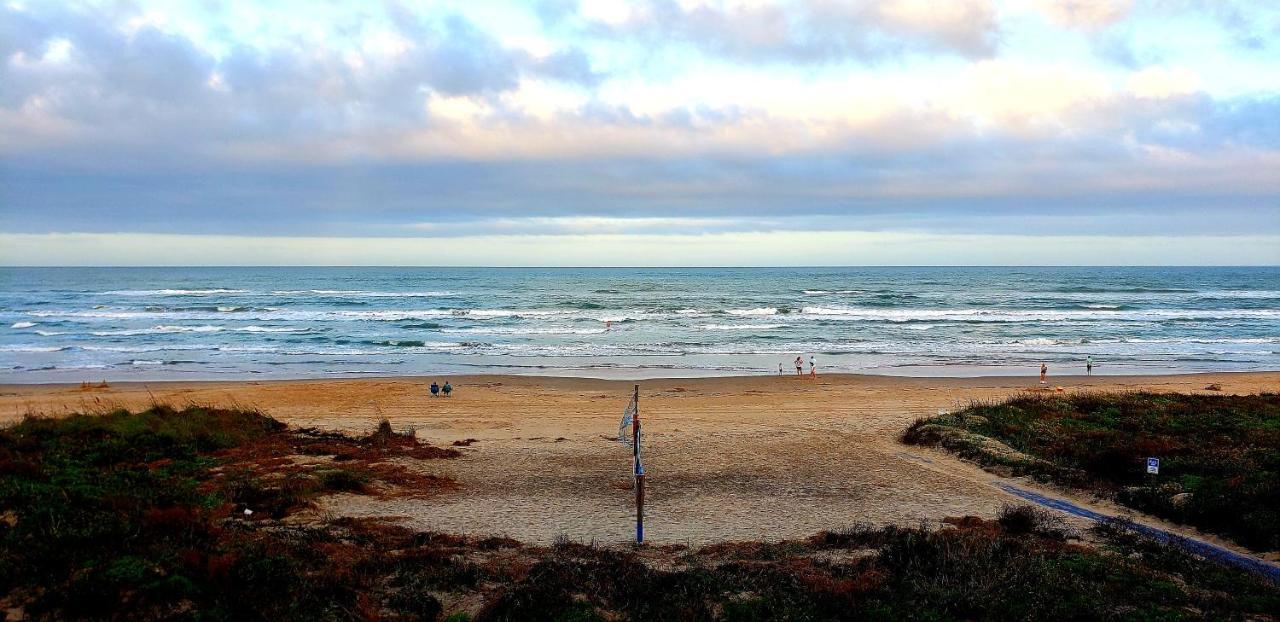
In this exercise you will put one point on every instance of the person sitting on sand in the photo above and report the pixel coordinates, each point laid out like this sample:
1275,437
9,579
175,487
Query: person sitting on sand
448,388
1044,372
799,366
435,389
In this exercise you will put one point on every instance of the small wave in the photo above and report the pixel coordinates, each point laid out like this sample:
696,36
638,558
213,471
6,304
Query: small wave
410,343
1042,341
153,348
50,333
505,330
23,325
208,328
362,293
425,325
318,292
175,292
1123,290
819,292
23,348
744,326
755,311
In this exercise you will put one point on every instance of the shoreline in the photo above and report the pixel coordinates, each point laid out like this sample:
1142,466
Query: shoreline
1053,380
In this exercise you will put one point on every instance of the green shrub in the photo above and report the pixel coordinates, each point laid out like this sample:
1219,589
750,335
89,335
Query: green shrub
1221,449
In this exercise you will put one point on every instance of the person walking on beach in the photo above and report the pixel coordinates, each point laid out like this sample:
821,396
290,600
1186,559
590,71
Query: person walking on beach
799,366
813,368
779,369
1088,365
435,389
1044,373
448,388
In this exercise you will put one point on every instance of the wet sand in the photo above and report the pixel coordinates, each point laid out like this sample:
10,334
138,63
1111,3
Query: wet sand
761,457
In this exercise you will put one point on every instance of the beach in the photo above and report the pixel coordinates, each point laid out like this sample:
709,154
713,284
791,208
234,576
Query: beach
728,458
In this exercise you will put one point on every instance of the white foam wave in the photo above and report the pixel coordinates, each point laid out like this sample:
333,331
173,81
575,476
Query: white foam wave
151,348
23,325
1033,315
362,293
755,311
744,326
507,330
32,349
175,292
819,292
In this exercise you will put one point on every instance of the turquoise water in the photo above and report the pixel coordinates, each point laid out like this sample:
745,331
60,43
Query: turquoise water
72,324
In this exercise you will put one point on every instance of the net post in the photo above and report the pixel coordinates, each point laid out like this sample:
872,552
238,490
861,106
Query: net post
639,469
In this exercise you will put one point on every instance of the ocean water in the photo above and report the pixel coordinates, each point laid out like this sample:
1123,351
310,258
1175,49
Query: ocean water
73,324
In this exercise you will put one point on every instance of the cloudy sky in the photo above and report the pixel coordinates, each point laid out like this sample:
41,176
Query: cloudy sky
661,132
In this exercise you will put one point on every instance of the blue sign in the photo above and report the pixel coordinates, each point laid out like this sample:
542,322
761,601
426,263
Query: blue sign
1153,466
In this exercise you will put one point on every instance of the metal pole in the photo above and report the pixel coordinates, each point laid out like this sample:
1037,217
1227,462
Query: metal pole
639,469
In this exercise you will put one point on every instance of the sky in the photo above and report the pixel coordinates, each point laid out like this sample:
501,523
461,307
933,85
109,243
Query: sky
654,132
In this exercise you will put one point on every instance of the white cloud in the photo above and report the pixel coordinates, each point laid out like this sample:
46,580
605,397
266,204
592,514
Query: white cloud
1085,13
1160,82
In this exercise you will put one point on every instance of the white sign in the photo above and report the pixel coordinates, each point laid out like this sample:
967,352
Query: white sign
1153,466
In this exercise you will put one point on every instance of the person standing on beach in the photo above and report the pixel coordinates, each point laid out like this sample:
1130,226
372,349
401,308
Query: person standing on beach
1044,372
813,368
799,366
1088,365
779,369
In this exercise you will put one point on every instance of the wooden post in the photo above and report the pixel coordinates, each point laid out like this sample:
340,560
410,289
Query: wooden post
639,468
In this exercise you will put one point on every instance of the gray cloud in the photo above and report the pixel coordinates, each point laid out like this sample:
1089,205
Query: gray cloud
817,30
148,86
137,129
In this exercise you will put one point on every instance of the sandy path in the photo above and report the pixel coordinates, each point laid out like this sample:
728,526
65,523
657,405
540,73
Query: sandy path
727,458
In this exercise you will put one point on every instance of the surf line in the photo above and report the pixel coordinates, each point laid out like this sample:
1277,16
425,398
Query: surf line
1204,549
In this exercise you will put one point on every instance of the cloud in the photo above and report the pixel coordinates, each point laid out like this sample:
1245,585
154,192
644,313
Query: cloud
733,249
1089,14
121,80
594,119
806,31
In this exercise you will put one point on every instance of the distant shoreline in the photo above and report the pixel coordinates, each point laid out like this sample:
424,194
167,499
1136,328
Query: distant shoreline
1031,379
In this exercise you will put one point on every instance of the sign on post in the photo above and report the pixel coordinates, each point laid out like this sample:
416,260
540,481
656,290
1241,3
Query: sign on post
1153,466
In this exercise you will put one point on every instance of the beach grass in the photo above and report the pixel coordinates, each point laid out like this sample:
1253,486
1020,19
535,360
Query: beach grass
141,516
1219,455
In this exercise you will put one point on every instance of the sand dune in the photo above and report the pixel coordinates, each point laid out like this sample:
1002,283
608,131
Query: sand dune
728,458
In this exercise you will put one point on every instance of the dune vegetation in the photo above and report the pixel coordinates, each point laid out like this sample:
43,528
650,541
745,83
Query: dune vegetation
199,514
1219,454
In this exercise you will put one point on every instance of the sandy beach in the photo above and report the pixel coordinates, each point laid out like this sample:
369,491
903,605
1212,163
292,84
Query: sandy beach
761,457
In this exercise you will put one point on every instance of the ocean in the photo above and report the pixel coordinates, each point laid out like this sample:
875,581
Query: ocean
115,324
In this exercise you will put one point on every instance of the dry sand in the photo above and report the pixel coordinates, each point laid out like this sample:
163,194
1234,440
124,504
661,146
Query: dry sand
727,458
